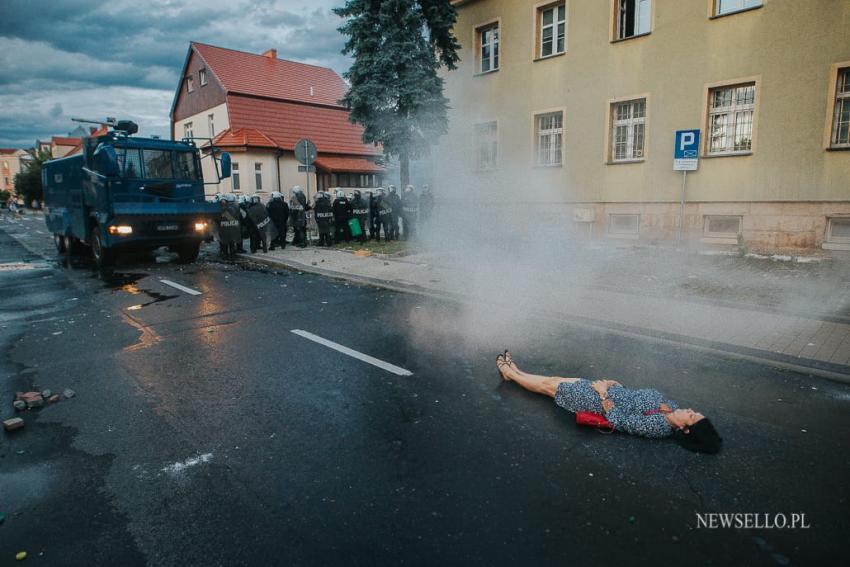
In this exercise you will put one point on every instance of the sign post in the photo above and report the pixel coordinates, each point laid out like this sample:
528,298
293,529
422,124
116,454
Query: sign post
685,159
305,153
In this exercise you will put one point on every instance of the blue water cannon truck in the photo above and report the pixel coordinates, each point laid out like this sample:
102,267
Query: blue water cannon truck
125,193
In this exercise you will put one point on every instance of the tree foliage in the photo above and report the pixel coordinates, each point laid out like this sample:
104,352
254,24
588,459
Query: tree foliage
396,93
28,181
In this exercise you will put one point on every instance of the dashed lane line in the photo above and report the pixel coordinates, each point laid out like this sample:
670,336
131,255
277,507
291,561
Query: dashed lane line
182,288
397,370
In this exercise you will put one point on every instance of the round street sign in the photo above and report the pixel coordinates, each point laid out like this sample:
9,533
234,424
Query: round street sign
305,151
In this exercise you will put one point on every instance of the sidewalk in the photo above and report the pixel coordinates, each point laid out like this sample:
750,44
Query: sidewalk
811,343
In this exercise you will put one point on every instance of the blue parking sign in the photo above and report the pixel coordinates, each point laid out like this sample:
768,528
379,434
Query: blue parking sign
686,150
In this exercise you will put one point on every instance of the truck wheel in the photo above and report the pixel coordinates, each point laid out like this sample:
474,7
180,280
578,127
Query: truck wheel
103,256
59,241
188,252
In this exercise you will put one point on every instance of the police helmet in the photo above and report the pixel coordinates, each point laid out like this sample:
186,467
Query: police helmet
229,197
408,189
244,199
356,192
277,195
255,198
297,189
340,193
392,188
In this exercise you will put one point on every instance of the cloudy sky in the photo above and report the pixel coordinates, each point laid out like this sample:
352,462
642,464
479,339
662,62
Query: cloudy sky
122,58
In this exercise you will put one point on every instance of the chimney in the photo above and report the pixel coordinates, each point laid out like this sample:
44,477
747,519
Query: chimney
270,53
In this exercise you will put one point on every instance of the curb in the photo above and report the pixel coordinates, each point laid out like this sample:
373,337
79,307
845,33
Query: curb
806,366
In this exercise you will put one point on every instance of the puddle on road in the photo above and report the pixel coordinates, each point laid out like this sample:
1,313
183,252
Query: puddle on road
127,282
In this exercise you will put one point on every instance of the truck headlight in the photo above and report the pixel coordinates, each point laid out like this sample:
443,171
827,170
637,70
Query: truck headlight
200,226
122,229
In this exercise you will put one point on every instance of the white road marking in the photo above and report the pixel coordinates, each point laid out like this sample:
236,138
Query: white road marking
178,467
397,370
188,290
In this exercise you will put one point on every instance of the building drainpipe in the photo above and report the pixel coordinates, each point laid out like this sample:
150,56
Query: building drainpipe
277,155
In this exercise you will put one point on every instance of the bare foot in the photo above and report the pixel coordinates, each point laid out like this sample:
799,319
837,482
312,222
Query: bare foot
503,367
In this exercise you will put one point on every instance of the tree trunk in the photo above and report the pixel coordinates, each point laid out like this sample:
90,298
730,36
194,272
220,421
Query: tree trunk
404,174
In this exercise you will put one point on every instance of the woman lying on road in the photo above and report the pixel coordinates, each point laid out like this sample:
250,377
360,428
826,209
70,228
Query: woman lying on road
640,412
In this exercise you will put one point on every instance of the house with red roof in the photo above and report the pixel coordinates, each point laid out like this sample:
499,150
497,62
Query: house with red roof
257,107
12,161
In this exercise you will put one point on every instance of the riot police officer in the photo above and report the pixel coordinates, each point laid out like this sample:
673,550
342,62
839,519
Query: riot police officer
374,216
385,213
426,203
298,208
324,217
229,226
259,225
244,229
409,211
279,213
360,211
395,206
342,214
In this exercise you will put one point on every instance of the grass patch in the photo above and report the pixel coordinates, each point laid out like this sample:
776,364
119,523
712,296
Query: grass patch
394,247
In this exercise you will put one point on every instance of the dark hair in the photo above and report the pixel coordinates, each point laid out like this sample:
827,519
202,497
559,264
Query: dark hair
701,438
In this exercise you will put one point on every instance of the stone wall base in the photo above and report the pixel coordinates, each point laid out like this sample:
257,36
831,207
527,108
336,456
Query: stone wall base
755,226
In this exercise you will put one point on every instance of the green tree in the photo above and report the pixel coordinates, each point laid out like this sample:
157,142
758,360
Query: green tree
28,181
396,93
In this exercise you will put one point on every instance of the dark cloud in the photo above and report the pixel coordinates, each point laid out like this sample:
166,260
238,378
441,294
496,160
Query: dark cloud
66,54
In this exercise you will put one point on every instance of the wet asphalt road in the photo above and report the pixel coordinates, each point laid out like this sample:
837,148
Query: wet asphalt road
205,433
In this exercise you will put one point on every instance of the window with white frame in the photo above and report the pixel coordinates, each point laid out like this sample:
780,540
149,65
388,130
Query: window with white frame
488,39
487,145
187,130
211,124
189,84
731,111
632,18
841,112
628,130
202,76
258,176
624,224
234,176
552,30
722,226
549,133
838,230
722,7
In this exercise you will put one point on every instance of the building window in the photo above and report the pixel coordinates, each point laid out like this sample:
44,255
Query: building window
624,225
202,75
487,145
488,39
723,7
234,175
628,130
838,230
549,137
189,85
211,124
187,130
552,30
718,226
731,111
258,176
841,112
632,18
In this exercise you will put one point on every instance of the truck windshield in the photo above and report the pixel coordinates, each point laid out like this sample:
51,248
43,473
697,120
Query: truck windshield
157,164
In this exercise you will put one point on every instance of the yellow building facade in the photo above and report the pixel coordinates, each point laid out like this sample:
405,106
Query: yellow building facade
583,98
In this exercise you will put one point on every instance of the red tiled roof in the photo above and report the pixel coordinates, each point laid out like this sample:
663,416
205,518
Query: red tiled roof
8,151
243,137
348,164
258,75
288,122
65,141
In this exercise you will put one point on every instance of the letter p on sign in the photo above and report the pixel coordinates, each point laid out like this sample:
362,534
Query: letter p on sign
686,140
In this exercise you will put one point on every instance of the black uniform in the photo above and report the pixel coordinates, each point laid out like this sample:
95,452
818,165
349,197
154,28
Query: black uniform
260,227
374,218
385,212
426,205
324,220
409,213
298,208
243,225
342,214
229,229
279,213
360,211
395,205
